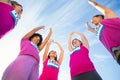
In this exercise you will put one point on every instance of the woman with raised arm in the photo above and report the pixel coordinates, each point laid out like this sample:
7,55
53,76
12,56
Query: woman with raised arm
26,65
81,67
51,64
10,13
108,29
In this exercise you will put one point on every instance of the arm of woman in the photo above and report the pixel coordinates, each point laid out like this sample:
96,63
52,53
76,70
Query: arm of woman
70,48
46,50
89,27
105,11
29,34
5,1
61,53
46,40
84,39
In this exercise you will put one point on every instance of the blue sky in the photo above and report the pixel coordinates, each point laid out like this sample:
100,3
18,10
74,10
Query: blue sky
64,16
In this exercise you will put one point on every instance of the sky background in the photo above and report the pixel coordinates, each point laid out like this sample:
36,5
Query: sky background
64,16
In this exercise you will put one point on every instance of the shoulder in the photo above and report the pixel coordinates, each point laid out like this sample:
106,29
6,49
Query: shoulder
46,60
84,47
24,41
7,5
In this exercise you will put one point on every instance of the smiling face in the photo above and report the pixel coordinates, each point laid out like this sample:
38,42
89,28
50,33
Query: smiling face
53,54
35,39
97,19
76,43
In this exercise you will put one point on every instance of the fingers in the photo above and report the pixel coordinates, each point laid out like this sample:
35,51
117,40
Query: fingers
86,24
71,33
51,40
55,42
42,27
90,1
51,30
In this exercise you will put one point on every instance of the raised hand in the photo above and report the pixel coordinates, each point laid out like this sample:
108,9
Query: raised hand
87,24
40,27
50,41
51,30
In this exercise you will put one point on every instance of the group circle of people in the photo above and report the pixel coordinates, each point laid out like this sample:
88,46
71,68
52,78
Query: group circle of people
26,65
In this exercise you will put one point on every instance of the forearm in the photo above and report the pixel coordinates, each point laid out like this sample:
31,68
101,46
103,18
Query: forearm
104,10
89,27
84,39
61,54
29,34
60,47
99,7
5,1
61,57
82,36
45,41
70,43
46,51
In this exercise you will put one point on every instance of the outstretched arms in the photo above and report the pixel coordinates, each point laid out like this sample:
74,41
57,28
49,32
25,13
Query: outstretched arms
84,40
29,34
61,53
46,50
5,1
70,47
105,11
46,40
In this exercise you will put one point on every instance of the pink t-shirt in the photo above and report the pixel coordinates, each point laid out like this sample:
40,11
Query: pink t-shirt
6,20
28,49
80,62
110,35
50,70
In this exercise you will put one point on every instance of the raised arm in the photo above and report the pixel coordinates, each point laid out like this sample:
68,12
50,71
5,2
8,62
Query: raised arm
70,48
5,1
46,50
29,34
89,27
84,39
46,40
61,53
105,11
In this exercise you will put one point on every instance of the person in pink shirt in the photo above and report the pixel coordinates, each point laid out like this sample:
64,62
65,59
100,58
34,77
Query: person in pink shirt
10,13
81,67
50,63
26,65
108,29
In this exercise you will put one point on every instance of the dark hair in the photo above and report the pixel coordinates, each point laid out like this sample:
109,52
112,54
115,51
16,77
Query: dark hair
78,40
102,16
34,35
49,56
13,3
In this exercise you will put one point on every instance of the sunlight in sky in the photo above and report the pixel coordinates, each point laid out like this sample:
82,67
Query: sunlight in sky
64,16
